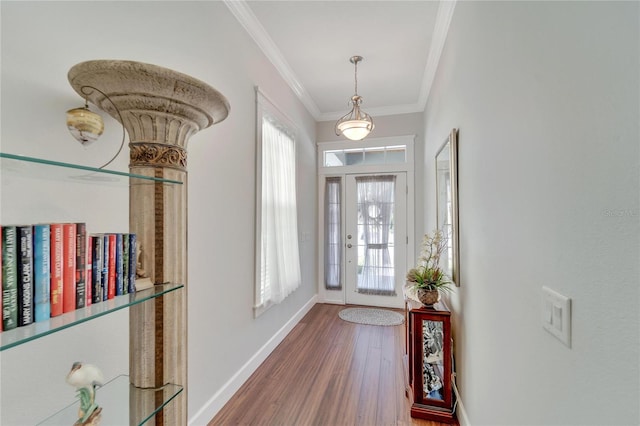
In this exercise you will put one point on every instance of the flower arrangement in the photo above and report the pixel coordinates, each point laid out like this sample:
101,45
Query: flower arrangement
427,274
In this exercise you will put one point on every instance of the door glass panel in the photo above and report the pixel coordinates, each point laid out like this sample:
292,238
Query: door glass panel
376,195
333,234
433,372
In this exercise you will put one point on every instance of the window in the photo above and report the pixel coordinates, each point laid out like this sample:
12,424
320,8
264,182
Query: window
393,154
333,233
277,255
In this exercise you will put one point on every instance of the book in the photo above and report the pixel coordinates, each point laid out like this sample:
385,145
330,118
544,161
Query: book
105,267
41,272
88,261
24,235
111,287
55,246
97,247
119,265
0,278
133,259
69,267
81,264
9,278
125,263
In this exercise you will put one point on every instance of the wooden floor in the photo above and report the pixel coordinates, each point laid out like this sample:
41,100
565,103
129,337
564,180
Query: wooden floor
327,372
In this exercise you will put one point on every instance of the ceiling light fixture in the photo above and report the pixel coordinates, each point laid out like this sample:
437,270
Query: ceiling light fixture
356,124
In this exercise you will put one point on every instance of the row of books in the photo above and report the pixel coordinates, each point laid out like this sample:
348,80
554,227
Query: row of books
54,268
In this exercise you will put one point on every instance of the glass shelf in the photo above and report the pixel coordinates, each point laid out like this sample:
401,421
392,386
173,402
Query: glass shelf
20,335
40,167
116,398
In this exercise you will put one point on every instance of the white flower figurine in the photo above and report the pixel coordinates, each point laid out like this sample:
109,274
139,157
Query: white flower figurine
86,378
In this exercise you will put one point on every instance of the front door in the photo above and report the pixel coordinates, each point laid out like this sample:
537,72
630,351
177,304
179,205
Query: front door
375,239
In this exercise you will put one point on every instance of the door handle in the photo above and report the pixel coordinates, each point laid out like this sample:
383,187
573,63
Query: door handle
349,237
349,245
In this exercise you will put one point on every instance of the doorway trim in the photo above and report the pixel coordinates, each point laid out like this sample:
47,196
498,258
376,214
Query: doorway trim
339,296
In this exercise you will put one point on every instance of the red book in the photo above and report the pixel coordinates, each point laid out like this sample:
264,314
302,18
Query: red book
111,289
81,264
69,267
89,282
56,269
0,280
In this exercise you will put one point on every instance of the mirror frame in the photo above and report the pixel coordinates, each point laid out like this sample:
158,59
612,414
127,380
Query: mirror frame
452,196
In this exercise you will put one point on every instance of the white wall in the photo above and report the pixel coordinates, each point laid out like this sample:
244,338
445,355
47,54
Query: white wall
545,95
40,42
224,336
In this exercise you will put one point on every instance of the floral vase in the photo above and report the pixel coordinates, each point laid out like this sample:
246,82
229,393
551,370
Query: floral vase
428,297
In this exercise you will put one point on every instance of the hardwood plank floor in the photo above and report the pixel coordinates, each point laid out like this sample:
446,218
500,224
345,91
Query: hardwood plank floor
327,372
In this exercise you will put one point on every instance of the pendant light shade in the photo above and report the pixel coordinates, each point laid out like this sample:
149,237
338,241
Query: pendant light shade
356,124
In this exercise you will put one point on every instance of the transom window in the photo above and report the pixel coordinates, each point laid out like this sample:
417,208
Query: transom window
392,154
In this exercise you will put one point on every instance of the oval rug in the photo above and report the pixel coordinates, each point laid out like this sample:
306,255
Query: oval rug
371,316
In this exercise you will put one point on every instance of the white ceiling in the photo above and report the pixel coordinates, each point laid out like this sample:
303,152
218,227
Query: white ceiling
310,43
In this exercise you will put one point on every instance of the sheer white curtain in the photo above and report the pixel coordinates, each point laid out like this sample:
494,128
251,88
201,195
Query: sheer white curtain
375,212
280,259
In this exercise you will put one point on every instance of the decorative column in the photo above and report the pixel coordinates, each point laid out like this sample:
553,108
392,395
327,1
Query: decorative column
160,109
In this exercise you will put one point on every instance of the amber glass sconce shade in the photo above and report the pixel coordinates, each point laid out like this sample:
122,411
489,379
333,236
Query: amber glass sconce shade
85,125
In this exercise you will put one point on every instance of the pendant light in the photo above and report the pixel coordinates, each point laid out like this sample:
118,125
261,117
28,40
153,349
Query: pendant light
356,124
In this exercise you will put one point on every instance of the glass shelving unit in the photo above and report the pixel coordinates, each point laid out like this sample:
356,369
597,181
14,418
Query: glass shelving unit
121,402
20,335
115,398
47,169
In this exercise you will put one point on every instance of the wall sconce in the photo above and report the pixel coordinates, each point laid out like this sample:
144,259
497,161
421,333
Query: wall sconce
87,126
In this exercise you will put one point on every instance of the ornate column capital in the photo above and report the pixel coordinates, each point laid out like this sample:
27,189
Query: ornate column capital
158,106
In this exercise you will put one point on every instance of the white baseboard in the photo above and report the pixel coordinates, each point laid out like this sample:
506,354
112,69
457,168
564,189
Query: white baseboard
461,413
224,394
333,301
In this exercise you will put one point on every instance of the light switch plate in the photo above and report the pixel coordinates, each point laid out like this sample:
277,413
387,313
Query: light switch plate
556,315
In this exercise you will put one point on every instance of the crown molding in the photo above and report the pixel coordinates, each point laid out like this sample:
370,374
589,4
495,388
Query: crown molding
243,13
440,31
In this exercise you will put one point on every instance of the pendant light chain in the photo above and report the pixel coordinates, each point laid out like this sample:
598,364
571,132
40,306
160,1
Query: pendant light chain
356,75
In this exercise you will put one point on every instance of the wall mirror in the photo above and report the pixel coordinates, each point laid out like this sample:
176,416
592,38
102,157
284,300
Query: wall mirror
447,203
